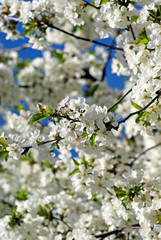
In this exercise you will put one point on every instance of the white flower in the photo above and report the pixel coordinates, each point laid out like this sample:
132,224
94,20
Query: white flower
15,151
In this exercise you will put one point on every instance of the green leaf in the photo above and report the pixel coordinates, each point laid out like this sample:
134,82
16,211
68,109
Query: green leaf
22,195
45,111
22,64
14,210
137,120
28,158
37,117
143,38
43,212
18,108
134,18
135,105
85,134
47,164
158,219
1,168
91,91
145,115
4,154
3,142
76,162
28,31
143,33
76,170
58,55
16,218
92,140
104,1
155,15
142,116
94,197
119,192
84,162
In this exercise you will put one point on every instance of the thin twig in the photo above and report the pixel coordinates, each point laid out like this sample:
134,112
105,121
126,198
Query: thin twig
130,28
90,4
132,32
26,149
45,25
82,38
145,151
142,109
119,230
114,105
61,220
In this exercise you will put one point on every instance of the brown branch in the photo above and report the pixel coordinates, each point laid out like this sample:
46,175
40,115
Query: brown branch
117,231
132,32
130,28
90,4
47,24
145,151
114,105
26,149
144,108
61,220
80,38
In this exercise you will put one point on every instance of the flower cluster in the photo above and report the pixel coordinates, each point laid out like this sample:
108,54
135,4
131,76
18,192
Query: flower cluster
78,159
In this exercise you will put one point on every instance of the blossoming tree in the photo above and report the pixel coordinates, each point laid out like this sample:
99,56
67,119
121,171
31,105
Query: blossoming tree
111,186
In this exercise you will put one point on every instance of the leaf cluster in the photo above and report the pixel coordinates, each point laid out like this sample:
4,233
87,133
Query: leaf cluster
142,116
128,194
155,15
3,146
142,39
16,218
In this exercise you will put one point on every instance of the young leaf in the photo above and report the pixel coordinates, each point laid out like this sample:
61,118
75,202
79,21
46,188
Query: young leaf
43,212
22,195
92,140
58,55
104,1
37,117
143,38
76,170
84,162
4,154
134,18
91,91
145,115
119,192
3,142
138,119
76,162
135,105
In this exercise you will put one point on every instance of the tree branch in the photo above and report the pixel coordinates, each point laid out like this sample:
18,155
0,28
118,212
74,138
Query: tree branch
26,149
61,220
87,3
145,151
81,38
130,28
117,231
132,32
114,105
144,108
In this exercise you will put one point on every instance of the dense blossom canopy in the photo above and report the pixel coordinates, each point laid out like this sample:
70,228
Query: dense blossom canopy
79,160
